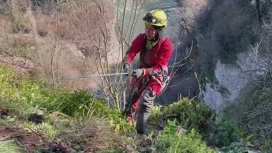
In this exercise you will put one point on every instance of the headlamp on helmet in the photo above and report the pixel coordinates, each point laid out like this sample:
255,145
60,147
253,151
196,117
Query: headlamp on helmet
156,18
150,18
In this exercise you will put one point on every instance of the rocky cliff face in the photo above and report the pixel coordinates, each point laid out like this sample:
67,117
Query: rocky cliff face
232,79
227,48
240,55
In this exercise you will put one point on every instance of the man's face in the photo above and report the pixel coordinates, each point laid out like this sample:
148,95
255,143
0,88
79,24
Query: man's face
150,32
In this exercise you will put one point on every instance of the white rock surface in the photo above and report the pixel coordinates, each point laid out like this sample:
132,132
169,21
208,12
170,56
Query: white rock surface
232,79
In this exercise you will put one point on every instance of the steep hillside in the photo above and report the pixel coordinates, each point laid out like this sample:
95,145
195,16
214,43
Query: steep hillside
227,45
55,40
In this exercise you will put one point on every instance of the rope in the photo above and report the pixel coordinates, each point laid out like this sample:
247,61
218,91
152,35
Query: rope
93,76
104,75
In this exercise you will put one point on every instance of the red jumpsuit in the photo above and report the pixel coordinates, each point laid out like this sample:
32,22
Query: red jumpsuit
154,60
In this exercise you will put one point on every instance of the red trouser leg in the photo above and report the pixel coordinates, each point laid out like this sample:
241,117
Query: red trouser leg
147,100
132,101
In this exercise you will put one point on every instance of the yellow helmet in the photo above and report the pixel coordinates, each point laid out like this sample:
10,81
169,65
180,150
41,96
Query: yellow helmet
156,18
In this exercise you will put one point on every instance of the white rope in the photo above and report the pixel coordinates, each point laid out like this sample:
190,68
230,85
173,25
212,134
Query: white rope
95,75
104,75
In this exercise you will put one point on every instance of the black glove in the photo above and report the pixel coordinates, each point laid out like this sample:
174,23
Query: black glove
137,73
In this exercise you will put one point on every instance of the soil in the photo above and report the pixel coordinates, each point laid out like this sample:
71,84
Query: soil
19,64
32,141
28,140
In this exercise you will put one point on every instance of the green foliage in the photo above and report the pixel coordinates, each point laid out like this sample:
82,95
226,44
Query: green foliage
208,76
227,132
171,142
10,146
197,116
239,146
252,111
46,129
15,88
112,151
6,86
119,123
21,93
155,114
80,103
191,114
84,104
32,96
3,122
25,90
235,147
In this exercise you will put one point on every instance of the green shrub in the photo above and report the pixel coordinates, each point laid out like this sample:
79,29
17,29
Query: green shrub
217,131
191,114
85,104
32,96
10,146
155,115
235,147
46,129
25,90
171,142
227,132
251,111
80,103
6,83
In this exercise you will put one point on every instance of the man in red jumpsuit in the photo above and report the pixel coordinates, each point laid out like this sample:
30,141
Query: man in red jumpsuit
155,51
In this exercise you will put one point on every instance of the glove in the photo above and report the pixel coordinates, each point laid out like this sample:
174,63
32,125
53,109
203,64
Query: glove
137,73
126,67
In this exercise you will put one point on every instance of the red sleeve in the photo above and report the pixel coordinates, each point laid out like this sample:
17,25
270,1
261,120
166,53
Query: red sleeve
164,54
135,48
